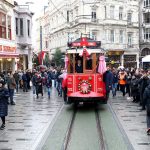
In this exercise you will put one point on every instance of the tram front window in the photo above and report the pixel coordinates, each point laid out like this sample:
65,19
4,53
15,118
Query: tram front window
79,67
89,64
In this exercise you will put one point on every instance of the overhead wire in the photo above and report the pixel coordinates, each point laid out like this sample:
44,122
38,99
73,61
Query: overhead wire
58,9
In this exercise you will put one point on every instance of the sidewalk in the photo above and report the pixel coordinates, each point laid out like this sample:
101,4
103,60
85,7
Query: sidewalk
133,121
28,120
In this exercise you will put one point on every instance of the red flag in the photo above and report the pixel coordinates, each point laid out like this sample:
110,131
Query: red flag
40,57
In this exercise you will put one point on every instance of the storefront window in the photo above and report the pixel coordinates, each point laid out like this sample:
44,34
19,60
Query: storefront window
130,61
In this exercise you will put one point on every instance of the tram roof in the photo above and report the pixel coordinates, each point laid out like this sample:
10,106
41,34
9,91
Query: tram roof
74,51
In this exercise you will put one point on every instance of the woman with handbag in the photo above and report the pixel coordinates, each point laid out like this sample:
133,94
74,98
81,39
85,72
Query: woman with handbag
146,99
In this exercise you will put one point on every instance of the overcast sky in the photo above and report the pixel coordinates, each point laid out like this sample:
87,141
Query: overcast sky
37,8
37,5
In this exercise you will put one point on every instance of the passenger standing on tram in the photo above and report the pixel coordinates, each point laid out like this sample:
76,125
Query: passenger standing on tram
108,79
79,68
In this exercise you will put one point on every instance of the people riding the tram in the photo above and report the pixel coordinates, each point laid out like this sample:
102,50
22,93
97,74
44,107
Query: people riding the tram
79,67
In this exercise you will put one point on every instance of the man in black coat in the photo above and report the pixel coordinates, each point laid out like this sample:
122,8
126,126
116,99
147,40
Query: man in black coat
4,94
108,79
146,99
79,68
143,83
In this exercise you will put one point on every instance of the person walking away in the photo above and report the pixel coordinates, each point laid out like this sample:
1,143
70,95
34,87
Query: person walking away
48,85
134,89
108,79
146,99
64,85
24,79
128,85
34,82
122,81
39,85
4,95
16,76
28,75
115,83
143,83
59,86
20,79
11,87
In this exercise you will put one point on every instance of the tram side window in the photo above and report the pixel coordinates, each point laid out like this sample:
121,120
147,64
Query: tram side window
71,63
89,64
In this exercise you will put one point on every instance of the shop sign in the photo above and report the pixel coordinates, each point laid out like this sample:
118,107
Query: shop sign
7,49
1,48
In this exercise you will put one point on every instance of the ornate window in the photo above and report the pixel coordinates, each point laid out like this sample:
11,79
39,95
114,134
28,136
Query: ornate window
145,51
146,3
9,27
112,12
120,13
2,25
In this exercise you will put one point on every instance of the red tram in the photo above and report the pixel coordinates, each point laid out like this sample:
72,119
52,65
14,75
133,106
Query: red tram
83,82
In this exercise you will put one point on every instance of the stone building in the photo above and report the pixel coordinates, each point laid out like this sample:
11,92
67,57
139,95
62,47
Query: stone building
8,54
23,32
144,28
113,22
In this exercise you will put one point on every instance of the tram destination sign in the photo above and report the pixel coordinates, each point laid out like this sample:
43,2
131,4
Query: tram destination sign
85,42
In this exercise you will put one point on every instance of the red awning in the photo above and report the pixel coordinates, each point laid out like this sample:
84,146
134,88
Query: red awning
4,55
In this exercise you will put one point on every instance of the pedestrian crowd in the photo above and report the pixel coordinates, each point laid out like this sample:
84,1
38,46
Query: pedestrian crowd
41,82
131,82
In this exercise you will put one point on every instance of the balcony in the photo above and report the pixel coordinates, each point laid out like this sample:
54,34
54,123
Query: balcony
146,25
146,9
146,41
84,19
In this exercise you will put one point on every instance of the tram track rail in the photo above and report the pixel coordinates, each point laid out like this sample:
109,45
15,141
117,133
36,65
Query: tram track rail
99,129
68,135
69,131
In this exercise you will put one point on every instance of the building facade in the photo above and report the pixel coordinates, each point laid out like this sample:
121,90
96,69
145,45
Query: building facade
113,22
144,28
23,32
8,53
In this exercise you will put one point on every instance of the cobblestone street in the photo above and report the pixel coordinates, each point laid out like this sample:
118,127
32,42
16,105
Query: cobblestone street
133,121
28,121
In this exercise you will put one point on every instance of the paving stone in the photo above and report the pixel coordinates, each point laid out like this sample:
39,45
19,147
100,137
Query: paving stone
132,120
27,119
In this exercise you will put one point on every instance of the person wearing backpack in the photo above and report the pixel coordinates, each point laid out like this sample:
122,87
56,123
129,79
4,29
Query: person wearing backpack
146,99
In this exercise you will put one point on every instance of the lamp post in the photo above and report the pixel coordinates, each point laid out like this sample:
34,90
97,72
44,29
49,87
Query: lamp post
41,46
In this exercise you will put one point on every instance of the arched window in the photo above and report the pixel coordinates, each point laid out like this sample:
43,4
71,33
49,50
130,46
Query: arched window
145,51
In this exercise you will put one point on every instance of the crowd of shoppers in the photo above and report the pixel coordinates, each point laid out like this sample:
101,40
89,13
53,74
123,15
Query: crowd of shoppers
133,83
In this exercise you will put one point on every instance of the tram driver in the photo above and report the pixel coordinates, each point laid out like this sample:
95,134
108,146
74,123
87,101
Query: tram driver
79,67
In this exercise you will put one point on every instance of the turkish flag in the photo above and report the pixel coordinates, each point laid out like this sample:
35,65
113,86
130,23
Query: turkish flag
41,56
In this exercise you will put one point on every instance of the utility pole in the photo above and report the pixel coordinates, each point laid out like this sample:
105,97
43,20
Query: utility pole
41,46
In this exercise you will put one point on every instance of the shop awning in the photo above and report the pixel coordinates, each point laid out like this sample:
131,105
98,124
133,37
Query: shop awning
15,55
146,58
115,52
